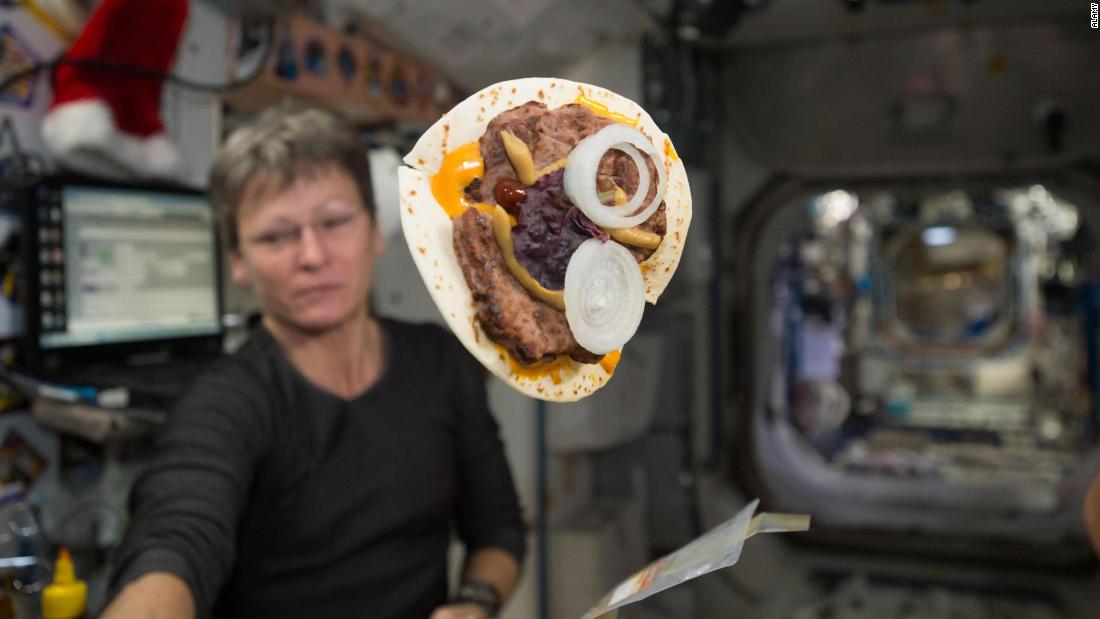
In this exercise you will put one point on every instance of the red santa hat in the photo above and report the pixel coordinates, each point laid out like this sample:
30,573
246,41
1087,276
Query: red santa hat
105,120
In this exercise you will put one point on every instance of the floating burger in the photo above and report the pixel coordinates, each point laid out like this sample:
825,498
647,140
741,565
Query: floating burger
542,215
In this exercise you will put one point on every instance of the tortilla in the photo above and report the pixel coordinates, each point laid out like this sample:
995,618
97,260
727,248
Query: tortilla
428,229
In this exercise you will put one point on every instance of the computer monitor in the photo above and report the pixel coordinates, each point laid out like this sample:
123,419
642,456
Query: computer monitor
119,272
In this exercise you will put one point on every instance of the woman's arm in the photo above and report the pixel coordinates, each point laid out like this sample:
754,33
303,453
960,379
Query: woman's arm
491,567
1092,514
490,520
187,505
157,595
496,567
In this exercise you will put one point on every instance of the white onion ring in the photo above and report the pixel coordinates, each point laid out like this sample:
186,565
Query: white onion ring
604,295
584,162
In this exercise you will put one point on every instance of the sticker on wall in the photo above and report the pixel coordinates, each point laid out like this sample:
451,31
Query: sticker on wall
374,74
316,63
348,65
16,56
424,85
399,87
286,66
441,95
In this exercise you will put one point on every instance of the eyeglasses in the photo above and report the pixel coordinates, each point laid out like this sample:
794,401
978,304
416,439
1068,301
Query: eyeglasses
327,229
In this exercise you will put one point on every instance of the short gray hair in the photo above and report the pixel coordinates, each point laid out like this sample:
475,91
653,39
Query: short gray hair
284,144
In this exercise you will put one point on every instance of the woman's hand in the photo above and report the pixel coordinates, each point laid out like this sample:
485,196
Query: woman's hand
460,611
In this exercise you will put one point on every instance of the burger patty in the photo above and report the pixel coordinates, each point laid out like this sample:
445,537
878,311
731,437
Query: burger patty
521,122
551,135
529,329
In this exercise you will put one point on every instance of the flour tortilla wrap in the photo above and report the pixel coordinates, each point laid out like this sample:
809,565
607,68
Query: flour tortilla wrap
428,229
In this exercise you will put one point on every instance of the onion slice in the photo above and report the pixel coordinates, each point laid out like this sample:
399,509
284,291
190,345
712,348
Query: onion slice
584,162
604,295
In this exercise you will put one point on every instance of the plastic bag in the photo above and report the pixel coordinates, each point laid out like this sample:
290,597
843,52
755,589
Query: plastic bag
718,548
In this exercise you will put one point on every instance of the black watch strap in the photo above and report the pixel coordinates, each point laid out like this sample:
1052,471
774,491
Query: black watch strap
481,593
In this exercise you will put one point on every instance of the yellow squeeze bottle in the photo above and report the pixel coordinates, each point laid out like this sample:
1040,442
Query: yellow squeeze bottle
66,597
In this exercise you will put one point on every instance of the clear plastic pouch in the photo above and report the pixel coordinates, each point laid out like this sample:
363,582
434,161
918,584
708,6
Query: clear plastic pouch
718,548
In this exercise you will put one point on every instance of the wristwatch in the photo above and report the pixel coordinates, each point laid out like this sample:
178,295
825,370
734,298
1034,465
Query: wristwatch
481,593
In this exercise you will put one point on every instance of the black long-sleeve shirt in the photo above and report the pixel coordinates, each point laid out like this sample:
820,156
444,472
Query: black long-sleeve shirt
271,497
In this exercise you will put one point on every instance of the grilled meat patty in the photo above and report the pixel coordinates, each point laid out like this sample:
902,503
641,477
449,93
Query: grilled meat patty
551,135
521,122
529,329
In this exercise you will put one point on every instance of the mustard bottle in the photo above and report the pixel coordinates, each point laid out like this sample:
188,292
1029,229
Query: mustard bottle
66,597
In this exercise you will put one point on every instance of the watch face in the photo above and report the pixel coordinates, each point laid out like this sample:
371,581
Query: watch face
481,593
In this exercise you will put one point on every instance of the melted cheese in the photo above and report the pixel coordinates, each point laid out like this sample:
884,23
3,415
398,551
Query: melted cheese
670,152
610,361
459,168
602,110
562,364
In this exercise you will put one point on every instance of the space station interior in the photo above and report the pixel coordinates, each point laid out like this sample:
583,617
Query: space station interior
888,321
886,315
925,356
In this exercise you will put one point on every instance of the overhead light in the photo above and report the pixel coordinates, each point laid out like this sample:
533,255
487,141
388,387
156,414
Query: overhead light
939,236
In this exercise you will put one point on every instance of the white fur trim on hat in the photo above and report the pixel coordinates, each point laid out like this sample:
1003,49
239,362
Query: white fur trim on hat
83,124
83,136
160,157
